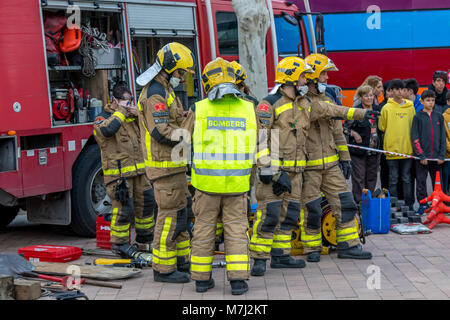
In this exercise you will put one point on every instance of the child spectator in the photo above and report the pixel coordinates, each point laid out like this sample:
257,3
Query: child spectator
364,133
384,170
429,142
387,93
396,121
439,88
446,165
410,92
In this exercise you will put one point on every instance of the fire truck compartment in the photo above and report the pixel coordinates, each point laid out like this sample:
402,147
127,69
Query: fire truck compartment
8,154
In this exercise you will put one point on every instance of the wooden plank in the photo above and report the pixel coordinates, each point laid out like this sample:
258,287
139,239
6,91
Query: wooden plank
6,287
26,289
87,271
97,86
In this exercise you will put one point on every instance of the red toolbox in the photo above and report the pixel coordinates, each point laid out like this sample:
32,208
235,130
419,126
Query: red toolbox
103,231
50,253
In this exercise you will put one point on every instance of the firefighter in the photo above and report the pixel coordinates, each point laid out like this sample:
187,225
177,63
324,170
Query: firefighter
284,116
240,84
117,133
160,115
224,130
327,168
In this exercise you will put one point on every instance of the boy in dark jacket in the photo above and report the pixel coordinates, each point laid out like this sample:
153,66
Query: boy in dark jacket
428,139
439,88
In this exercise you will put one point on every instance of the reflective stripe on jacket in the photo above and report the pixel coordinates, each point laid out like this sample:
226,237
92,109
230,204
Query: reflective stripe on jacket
326,144
224,142
119,140
160,115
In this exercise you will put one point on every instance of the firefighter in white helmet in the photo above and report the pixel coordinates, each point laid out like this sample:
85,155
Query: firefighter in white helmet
160,115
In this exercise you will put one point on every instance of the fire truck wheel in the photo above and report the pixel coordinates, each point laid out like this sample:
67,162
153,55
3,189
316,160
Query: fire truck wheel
86,181
7,215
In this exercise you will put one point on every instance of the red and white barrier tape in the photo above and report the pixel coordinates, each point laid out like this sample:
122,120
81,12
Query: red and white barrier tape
390,153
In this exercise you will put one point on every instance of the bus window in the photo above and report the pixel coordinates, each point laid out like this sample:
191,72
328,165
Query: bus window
288,37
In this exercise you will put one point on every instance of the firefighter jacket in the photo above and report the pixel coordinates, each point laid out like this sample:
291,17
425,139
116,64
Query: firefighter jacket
287,124
119,140
326,144
160,115
223,134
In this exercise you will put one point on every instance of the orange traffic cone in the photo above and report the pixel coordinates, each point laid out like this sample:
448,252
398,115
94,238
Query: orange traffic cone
437,208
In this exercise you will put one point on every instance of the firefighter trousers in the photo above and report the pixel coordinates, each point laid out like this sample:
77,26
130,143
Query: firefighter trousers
171,241
334,186
276,218
141,204
235,224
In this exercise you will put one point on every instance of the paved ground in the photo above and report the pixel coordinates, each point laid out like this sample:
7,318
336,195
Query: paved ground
410,267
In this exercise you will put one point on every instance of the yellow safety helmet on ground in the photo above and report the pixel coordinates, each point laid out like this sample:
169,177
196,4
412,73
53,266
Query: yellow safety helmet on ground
217,72
319,63
289,70
239,71
175,56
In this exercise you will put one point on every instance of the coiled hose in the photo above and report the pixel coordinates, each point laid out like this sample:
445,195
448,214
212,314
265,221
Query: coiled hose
92,39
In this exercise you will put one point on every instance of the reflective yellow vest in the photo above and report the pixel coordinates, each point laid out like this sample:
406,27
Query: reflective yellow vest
224,142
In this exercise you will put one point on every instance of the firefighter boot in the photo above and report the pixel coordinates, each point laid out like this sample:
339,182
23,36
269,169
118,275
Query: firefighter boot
355,252
286,261
259,267
172,277
238,287
182,265
313,256
144,243
204,285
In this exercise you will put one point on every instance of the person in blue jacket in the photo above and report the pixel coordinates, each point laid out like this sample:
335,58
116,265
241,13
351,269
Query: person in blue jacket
410,92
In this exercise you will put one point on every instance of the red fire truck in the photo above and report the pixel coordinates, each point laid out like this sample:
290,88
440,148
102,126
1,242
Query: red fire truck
49,162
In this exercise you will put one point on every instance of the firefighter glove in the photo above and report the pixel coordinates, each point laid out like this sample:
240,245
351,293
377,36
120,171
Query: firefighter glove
121,193
281,183
371,115
265,175
266,179
346,168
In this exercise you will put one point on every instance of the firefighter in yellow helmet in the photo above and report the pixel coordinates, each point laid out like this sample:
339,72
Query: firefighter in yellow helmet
327,152
240,82
240,74
160,115
224,131
284,115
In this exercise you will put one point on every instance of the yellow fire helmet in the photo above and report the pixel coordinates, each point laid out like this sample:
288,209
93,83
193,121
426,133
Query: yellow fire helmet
216,72
319,63
239,71
289,70
175,56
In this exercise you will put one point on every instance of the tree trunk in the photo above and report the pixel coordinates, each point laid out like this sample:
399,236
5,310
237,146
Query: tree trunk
253,23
